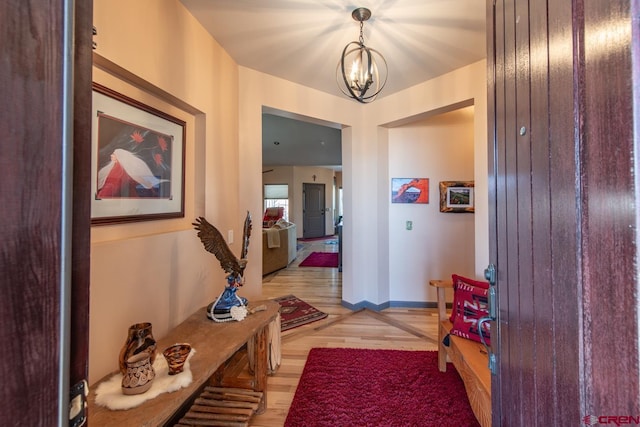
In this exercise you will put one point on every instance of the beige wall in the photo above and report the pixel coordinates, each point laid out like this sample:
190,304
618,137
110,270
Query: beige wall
459,88
440,148
158,271
365,160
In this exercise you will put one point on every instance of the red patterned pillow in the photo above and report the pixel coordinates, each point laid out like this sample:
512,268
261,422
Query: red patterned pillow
457,282
470,303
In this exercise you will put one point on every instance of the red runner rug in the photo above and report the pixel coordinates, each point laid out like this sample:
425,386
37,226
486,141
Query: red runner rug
356,387
321,259
294,312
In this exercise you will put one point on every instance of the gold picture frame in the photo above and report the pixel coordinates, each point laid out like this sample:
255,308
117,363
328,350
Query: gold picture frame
457,197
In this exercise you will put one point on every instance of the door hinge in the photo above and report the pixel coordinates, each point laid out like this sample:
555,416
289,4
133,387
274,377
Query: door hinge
78,404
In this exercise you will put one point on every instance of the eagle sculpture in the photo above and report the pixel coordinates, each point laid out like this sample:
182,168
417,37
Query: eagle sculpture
213,242
228,306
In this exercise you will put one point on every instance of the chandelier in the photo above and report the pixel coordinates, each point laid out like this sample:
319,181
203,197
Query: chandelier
358,74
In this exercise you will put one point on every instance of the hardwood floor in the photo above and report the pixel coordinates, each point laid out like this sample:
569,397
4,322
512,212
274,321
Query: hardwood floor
393,328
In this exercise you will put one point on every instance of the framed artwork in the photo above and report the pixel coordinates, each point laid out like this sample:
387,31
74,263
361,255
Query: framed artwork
456,196
410,190
137,160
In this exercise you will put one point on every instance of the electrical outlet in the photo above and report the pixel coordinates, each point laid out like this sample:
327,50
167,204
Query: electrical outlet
230,237
409,225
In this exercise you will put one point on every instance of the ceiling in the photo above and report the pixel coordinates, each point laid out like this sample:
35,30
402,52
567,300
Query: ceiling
302,40
291,142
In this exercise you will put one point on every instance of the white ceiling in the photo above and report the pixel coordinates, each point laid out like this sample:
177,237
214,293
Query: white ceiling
302,40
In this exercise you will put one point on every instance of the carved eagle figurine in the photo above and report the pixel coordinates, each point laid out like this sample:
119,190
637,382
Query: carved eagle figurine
213,242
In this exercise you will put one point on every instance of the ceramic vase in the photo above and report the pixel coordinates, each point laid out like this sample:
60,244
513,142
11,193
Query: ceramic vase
139,339
139,374
176,355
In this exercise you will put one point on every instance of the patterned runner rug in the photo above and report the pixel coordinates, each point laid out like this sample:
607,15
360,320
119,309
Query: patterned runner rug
295,312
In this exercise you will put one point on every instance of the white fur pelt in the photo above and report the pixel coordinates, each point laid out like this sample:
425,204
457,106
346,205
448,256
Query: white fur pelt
109,393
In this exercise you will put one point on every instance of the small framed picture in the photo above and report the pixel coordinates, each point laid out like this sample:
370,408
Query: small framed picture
457,197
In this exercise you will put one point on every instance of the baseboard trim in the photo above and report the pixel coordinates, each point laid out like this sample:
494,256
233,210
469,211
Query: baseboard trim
364,304
414,304
388,304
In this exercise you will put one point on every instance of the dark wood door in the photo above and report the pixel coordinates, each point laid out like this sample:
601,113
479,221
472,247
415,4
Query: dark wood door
563,208
45,83
313,219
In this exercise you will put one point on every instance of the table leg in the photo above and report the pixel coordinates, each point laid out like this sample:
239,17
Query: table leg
260,367
442,314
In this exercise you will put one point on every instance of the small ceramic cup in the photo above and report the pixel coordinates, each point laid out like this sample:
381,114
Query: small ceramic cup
176,355
139,374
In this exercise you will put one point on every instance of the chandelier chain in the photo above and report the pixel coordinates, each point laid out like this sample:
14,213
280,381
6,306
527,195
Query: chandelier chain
361,36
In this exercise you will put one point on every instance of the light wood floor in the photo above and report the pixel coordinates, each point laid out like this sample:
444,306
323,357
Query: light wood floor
393,328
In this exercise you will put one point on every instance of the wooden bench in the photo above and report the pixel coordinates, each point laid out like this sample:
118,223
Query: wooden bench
216,346
469,357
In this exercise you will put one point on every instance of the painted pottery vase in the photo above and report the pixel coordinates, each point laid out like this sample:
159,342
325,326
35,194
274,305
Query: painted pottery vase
176,355
139,339
139,374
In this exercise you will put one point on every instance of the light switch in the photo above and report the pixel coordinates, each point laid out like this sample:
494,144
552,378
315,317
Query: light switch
409,225
230,237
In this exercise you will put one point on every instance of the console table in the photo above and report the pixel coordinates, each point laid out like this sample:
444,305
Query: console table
215,344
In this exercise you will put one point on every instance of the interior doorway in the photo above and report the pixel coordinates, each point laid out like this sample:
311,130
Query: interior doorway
313,210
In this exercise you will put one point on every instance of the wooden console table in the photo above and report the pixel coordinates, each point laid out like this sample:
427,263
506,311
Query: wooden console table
215,343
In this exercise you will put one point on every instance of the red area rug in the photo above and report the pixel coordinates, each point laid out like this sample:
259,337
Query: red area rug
294,312
354,387
321,259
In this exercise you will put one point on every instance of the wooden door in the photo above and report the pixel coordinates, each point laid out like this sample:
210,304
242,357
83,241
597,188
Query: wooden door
45,127
313,218
563,208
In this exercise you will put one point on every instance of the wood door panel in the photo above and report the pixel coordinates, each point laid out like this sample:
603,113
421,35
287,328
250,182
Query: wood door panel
542,287
499,251
33,267
511,338
564,298
610,228
81,228
523,320
494,104
31,192
567,333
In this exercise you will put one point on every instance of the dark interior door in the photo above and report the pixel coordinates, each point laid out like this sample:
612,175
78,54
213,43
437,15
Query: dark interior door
561,145
45,127
313,210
